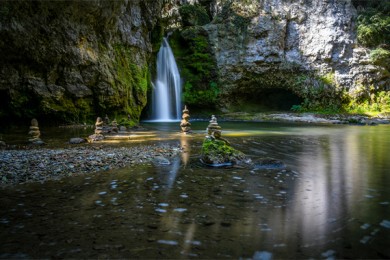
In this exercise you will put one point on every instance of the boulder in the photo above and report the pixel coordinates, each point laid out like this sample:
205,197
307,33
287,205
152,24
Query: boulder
217,152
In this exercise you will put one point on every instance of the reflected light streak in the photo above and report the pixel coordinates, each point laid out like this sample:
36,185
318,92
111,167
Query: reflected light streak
188,238
185,155
171,177
311,200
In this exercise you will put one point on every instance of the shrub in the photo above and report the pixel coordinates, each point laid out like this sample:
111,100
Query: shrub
373,28
380,57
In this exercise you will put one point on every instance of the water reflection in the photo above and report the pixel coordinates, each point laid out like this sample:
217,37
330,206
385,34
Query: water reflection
185,145
331,201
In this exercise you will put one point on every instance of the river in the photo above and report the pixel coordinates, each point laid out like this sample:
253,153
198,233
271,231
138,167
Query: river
330,199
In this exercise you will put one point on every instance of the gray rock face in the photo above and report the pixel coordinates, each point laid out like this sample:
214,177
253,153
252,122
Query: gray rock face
71,57
264,36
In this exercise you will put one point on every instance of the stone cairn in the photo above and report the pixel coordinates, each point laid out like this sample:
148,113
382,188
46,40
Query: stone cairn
34,133
185,124
213,128
114,126
98,136
99,126
214,131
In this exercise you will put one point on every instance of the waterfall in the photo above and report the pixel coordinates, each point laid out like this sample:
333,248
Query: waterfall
166,100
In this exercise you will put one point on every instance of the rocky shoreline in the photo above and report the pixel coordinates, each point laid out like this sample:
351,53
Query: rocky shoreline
39,165
308,118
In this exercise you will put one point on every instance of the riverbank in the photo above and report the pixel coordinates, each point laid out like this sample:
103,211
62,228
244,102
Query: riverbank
40,164
27,163
307,118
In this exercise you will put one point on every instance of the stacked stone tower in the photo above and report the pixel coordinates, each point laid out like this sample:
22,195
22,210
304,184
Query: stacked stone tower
185,124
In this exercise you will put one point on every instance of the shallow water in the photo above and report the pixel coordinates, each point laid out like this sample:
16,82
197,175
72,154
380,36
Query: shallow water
331,200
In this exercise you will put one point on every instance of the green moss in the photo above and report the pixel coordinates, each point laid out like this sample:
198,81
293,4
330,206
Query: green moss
124,121
328,79
131,83
319,92
380,57
218,152
68,110
197,67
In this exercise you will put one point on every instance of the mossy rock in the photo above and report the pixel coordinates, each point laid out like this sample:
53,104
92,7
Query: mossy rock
218,153
193,15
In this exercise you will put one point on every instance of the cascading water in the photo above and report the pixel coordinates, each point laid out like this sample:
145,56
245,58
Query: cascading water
166,100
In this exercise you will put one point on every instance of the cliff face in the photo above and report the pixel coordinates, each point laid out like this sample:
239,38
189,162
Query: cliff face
266,43
265,46
71,60
74,60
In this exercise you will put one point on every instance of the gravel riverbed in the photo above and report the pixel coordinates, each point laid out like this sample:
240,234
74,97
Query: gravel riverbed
40,164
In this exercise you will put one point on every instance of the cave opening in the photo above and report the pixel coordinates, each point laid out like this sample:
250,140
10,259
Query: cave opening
275,99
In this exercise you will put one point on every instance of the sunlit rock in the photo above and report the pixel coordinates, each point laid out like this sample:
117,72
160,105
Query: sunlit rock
114,126
185,124
98,136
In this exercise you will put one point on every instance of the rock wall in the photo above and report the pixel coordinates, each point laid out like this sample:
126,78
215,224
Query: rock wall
73,60
278,44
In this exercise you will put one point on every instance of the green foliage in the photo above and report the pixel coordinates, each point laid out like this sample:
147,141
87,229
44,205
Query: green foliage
373,27
328,79
322,98
193,15
297,108
380,57
319,94
373,103
200,97
124,121
198,67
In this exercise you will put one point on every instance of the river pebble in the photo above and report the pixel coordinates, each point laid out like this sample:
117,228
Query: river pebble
39,165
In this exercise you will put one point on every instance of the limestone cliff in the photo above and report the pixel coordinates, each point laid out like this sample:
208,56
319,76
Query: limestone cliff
264,46
73,60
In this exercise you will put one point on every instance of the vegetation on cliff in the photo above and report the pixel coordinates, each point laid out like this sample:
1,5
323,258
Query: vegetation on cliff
194,57
373,32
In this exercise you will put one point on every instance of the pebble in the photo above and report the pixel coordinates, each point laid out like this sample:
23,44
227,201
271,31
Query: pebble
33,165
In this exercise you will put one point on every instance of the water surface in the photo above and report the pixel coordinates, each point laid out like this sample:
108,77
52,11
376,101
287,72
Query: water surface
330,200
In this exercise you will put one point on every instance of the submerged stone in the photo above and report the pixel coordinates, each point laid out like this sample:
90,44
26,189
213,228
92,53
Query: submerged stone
76,140
268,163
161,160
